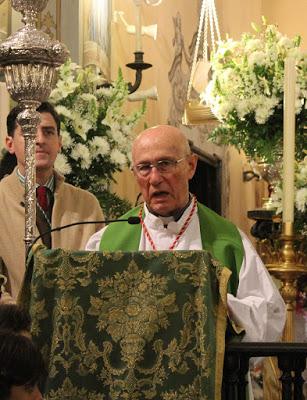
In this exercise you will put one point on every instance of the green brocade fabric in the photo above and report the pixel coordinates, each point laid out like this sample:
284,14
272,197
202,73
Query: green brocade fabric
128,325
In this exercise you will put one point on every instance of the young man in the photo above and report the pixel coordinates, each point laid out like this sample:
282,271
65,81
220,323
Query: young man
172,219
61,204
21,368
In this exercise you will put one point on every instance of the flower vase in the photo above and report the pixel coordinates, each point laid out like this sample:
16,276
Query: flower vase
270,173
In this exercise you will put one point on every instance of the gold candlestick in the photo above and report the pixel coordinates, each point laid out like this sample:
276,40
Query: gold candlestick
288,269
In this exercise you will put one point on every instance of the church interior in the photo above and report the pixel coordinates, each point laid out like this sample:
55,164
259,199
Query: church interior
170,52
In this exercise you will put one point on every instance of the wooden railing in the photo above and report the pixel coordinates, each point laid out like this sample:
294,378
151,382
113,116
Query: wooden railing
291,361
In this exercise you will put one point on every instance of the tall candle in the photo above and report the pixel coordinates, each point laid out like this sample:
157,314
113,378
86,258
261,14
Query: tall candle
4,110
138,26
289,140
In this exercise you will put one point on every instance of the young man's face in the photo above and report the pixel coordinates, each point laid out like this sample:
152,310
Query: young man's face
48,144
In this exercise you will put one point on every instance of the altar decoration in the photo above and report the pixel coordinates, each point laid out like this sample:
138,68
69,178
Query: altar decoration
96,132
300,198
128,325
289,265
246,92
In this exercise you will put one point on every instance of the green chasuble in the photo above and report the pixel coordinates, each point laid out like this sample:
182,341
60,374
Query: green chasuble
128,325
219,237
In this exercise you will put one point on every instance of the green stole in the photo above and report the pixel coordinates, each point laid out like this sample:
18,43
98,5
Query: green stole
219,237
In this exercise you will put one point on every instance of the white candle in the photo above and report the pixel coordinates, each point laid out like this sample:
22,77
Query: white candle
4,110
138,27
289,140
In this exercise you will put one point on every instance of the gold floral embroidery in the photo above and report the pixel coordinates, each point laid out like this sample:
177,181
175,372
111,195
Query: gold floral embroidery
133,306
68,269
139,326
70,392
38,312
189,392
68,334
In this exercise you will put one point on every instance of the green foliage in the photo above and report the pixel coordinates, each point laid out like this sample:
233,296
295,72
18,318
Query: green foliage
112,205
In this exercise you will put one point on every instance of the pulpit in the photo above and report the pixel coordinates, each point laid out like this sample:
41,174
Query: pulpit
128,325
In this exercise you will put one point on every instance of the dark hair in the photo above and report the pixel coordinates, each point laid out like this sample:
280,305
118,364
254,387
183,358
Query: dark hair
7,164
21,363
13,318
11,121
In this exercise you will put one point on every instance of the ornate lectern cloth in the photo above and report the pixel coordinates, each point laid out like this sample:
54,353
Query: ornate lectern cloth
128,325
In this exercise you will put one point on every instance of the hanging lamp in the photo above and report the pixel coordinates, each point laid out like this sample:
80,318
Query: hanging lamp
196,112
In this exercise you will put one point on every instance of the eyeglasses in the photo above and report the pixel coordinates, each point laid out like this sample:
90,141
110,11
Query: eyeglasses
163,166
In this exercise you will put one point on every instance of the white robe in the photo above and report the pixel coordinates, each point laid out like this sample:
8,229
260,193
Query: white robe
257,307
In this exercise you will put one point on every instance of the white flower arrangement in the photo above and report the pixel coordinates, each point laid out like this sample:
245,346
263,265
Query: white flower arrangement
96,131
246,92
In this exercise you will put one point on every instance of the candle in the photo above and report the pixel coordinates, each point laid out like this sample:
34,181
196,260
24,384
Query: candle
138,27
289,140
4,110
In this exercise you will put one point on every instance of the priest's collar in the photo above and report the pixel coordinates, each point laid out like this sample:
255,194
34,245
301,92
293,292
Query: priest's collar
176,217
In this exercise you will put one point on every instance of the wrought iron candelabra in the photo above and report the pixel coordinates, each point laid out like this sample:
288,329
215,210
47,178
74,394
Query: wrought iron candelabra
138,65
28,59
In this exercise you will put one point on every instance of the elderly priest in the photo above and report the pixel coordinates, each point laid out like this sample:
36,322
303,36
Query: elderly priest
172,219
121,323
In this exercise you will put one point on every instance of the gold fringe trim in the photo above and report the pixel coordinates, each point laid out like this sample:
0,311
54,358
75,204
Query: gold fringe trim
221,322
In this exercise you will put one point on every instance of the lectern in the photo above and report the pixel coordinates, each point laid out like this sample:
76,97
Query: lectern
128,325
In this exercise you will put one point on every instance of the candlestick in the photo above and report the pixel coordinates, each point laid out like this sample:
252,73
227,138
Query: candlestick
138,26
289,140
28,59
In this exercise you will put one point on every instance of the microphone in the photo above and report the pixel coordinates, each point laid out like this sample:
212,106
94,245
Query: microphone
134,220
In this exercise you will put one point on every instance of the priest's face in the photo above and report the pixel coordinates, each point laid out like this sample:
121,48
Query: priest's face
163,166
